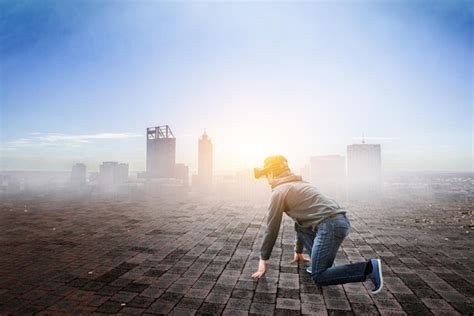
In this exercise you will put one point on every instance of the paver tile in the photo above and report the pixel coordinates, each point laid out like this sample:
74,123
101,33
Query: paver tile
196,257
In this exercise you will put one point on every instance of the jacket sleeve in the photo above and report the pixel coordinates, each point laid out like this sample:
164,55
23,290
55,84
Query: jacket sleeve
298,243
274,217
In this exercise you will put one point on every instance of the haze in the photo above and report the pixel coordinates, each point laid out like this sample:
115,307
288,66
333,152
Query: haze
81,81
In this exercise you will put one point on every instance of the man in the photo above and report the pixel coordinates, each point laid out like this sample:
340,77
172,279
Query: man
321,226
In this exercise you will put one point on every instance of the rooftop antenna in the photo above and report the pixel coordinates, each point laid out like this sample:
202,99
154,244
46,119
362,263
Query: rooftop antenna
363,138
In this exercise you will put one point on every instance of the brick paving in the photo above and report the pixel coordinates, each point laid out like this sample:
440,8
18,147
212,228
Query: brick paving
195,257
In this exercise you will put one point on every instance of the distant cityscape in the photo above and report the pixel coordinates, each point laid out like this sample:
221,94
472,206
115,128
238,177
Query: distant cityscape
356,176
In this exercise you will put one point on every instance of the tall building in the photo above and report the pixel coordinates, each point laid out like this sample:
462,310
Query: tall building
108,175
204,175
112,173
78,176
205,158
328,173
364,168
160,152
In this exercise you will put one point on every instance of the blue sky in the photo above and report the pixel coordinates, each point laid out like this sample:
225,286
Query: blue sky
81,81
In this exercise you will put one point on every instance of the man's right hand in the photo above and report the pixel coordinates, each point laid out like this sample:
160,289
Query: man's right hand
262,268
299,257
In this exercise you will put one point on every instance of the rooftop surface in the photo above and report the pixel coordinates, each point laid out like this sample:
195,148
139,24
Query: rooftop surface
196,257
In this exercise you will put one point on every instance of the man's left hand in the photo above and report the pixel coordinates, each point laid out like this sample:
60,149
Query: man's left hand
299,257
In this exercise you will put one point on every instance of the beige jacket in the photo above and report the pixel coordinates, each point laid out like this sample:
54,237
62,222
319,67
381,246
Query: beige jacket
302,202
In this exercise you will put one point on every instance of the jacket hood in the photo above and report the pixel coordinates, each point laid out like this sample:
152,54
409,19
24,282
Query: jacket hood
285,178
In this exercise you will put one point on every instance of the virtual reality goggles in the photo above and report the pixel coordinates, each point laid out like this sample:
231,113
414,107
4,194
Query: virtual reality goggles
271,164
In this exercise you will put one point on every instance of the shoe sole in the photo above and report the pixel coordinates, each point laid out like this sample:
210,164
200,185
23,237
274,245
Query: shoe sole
380,276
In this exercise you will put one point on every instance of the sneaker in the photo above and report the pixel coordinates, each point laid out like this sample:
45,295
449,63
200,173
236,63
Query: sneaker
309,270
376,275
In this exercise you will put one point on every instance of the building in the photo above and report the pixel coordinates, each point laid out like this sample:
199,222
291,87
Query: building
108,175
160,152
328,173
205,159
78,176
111,174
203,179
364,168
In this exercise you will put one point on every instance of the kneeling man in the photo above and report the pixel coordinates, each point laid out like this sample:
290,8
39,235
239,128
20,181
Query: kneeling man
321,226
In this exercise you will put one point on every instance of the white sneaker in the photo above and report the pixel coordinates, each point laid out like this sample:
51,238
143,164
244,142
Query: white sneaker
376,275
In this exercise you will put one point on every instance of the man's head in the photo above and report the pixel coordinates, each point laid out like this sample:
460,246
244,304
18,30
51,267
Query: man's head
273,167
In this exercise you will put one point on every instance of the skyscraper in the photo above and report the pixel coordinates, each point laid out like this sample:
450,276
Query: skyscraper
328,173
160,152
204,176
112,173
364,168
108,175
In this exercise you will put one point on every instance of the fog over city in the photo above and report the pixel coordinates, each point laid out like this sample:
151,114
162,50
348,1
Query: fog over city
357,175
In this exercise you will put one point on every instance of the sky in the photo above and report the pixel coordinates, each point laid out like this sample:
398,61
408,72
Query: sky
80,81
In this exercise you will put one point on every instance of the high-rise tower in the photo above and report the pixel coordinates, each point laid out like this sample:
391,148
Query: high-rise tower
205,161
111,174
160,152
364,168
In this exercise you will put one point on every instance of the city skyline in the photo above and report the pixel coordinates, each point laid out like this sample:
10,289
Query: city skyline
81,82
302,162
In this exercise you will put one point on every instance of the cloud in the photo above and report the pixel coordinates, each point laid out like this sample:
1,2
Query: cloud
53,139
19,142
85,138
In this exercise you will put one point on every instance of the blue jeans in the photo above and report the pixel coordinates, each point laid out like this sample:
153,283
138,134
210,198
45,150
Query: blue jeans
322,247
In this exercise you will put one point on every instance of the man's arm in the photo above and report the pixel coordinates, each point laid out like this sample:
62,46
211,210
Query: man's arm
274,217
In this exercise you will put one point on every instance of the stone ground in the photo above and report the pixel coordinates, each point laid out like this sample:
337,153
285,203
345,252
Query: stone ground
195,257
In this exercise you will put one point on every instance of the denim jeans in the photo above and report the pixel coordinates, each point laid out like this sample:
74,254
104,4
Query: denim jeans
322,247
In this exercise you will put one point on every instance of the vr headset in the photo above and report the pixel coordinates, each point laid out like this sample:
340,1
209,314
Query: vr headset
271,164
260,172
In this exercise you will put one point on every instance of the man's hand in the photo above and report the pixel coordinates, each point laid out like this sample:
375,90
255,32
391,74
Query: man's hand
299,257
262,268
